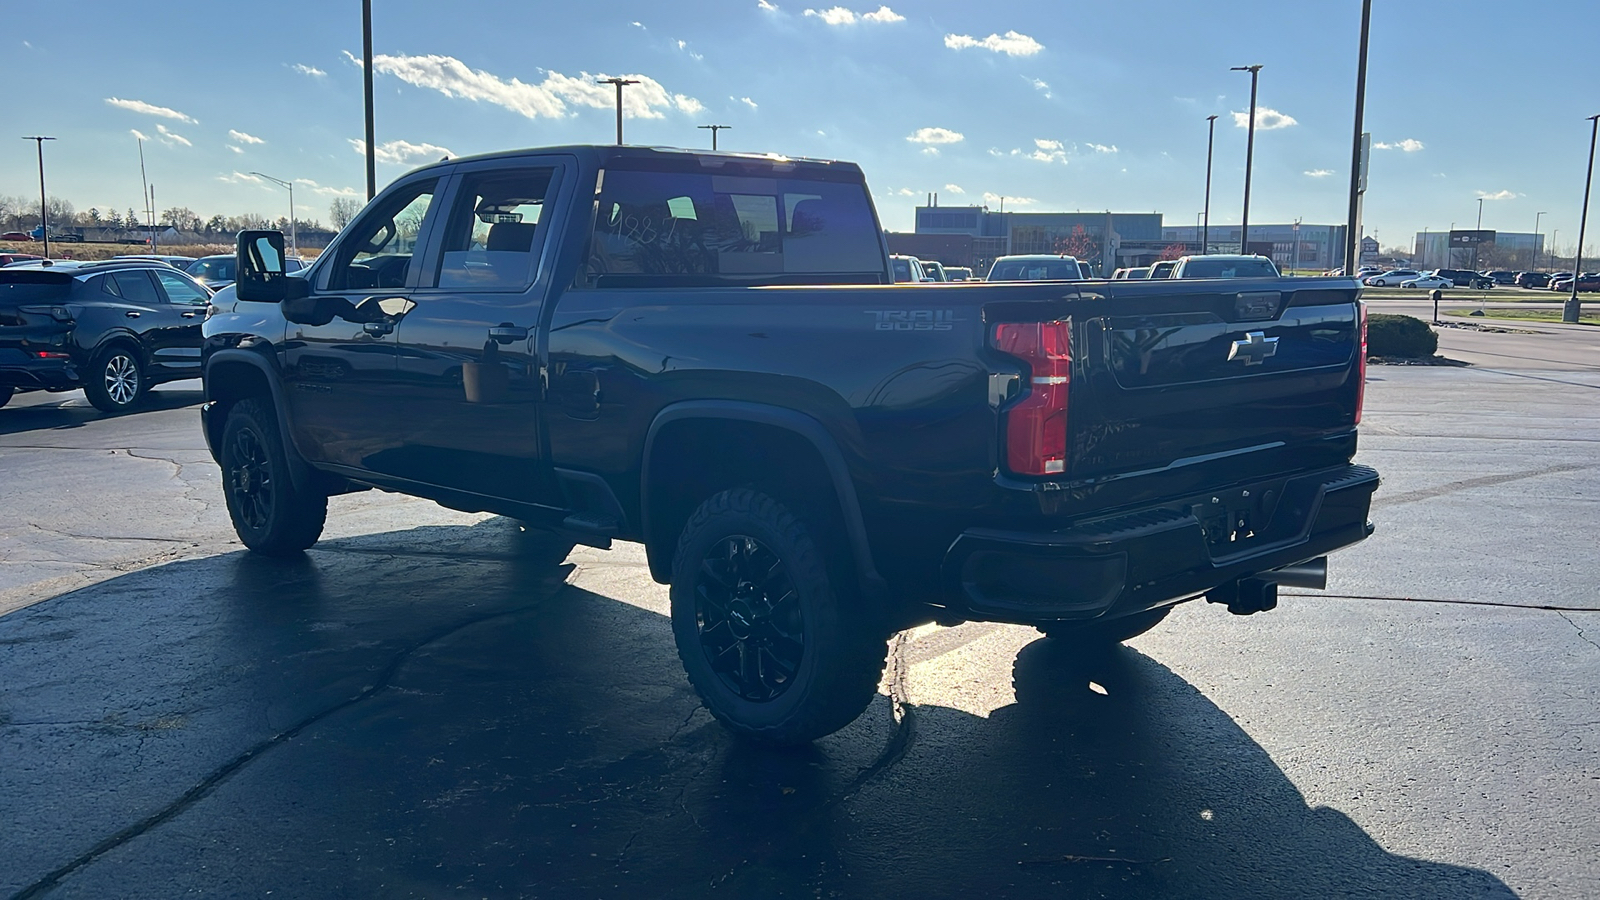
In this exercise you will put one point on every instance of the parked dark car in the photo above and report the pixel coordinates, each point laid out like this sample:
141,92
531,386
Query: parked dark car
812,457
1467,278
1588,281
182,263
113,329
1501,276
216,272
1532,279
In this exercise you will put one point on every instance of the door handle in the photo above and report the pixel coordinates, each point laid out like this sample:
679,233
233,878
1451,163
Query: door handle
190,315
378,329
506,333
131,314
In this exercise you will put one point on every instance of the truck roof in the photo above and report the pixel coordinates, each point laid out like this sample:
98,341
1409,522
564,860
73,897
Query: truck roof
607,154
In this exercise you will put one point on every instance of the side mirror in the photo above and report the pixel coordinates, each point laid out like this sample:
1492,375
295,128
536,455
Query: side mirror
261,271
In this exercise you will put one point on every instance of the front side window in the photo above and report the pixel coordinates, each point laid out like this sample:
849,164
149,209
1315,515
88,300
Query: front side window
376,251
493,230
181,291
662,227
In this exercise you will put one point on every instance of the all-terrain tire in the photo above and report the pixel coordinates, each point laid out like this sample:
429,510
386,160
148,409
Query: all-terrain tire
780,651
116,381
270,515
1098,634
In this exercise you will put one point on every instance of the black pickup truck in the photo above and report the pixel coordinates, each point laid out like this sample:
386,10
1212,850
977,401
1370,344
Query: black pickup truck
704,353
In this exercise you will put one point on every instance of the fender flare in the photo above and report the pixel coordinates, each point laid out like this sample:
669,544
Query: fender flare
844,488
300,471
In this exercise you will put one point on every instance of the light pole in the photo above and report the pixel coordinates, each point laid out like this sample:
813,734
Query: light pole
1211,139
1249,156
1478,236
714,129
294,230
1535,254
1573,308
619,82
44,205
366,87
1351,236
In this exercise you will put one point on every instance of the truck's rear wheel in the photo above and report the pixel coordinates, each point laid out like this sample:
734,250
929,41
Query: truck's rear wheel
1107,633
777,650
270,515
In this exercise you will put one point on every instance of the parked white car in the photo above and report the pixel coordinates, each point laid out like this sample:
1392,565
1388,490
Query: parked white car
1392,278
1428,282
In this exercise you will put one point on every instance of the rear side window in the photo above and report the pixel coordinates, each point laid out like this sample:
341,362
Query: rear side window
693,228
135,286
1229,268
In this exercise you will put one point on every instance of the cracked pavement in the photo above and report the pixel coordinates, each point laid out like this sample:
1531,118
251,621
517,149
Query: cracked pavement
420,706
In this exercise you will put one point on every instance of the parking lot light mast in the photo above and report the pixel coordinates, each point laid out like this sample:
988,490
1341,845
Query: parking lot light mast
1535,254
366,87
620,82
1249,156
1352,239
294,231
44,205
1477,236
1211,140
714,129
1573,308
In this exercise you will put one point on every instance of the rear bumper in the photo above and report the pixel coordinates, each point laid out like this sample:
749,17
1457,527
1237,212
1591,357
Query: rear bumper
19,371
1147,558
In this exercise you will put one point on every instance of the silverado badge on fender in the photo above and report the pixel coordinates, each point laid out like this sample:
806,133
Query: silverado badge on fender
1254,349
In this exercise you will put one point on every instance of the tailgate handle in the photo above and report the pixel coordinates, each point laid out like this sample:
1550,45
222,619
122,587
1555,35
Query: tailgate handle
1256,305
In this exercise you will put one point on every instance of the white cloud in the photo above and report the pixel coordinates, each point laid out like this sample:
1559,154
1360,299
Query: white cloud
1012,44
243,138
549,98
139,134
402,153
821,133
303,69
240,178
1266,119
1102,148
1049,151
746,101
906,192
994,200
996,151
149,109
172,137
637,25
839,15
235,149
1409,145
1498,195
1040,85
954,189
935,136
1318,173
769,7
931,151
327,190
684,46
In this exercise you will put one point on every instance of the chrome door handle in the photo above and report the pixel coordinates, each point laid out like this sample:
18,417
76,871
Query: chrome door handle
131,314
506,333
189,315
378,329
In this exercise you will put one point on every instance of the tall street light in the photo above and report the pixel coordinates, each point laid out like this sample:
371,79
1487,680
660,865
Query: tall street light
44,206
1573,308
1535,254
1352,225
714,129
1477,237
1211,140
1249,155
294,231
619,82
366,87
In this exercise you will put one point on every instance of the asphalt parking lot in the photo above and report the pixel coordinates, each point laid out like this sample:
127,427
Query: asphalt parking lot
426,705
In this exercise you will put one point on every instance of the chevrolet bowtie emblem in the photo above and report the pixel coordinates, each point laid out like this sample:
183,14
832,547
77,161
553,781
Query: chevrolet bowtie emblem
1255,348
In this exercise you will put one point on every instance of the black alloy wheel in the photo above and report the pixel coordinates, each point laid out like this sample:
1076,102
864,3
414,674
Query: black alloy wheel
270,513
117,382
748,615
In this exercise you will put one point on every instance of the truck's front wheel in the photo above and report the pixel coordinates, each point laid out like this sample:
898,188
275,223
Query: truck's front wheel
777,650
270,515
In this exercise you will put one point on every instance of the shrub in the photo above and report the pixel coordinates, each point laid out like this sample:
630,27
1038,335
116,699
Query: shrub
1402,337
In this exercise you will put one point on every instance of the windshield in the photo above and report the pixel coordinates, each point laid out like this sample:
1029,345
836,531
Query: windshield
1035,270
1229,268
212,268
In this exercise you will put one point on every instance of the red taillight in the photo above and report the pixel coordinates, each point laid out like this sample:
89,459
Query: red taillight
1036,427
1361,364
51,354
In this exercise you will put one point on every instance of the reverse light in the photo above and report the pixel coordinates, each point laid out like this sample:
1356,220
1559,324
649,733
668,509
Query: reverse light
1036,426
1361,364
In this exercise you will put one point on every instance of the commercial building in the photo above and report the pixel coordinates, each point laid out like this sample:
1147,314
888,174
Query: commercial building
1291,246
1106,240
1463,249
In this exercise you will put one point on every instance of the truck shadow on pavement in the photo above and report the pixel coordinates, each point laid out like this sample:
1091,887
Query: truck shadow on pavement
70,410
438,710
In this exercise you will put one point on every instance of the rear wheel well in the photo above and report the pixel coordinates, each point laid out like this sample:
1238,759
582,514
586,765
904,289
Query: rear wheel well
693,459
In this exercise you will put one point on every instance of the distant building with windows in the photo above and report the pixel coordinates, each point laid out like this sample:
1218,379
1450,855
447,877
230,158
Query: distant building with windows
1108,240
1508,250
1290,246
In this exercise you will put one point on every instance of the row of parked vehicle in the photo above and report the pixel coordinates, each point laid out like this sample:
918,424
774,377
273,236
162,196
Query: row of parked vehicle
1057,267
1444,278
114,328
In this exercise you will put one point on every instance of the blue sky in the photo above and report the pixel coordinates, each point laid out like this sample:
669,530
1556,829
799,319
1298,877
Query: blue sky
1055,105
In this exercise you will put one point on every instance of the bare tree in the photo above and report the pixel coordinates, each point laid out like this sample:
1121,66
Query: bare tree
342,210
